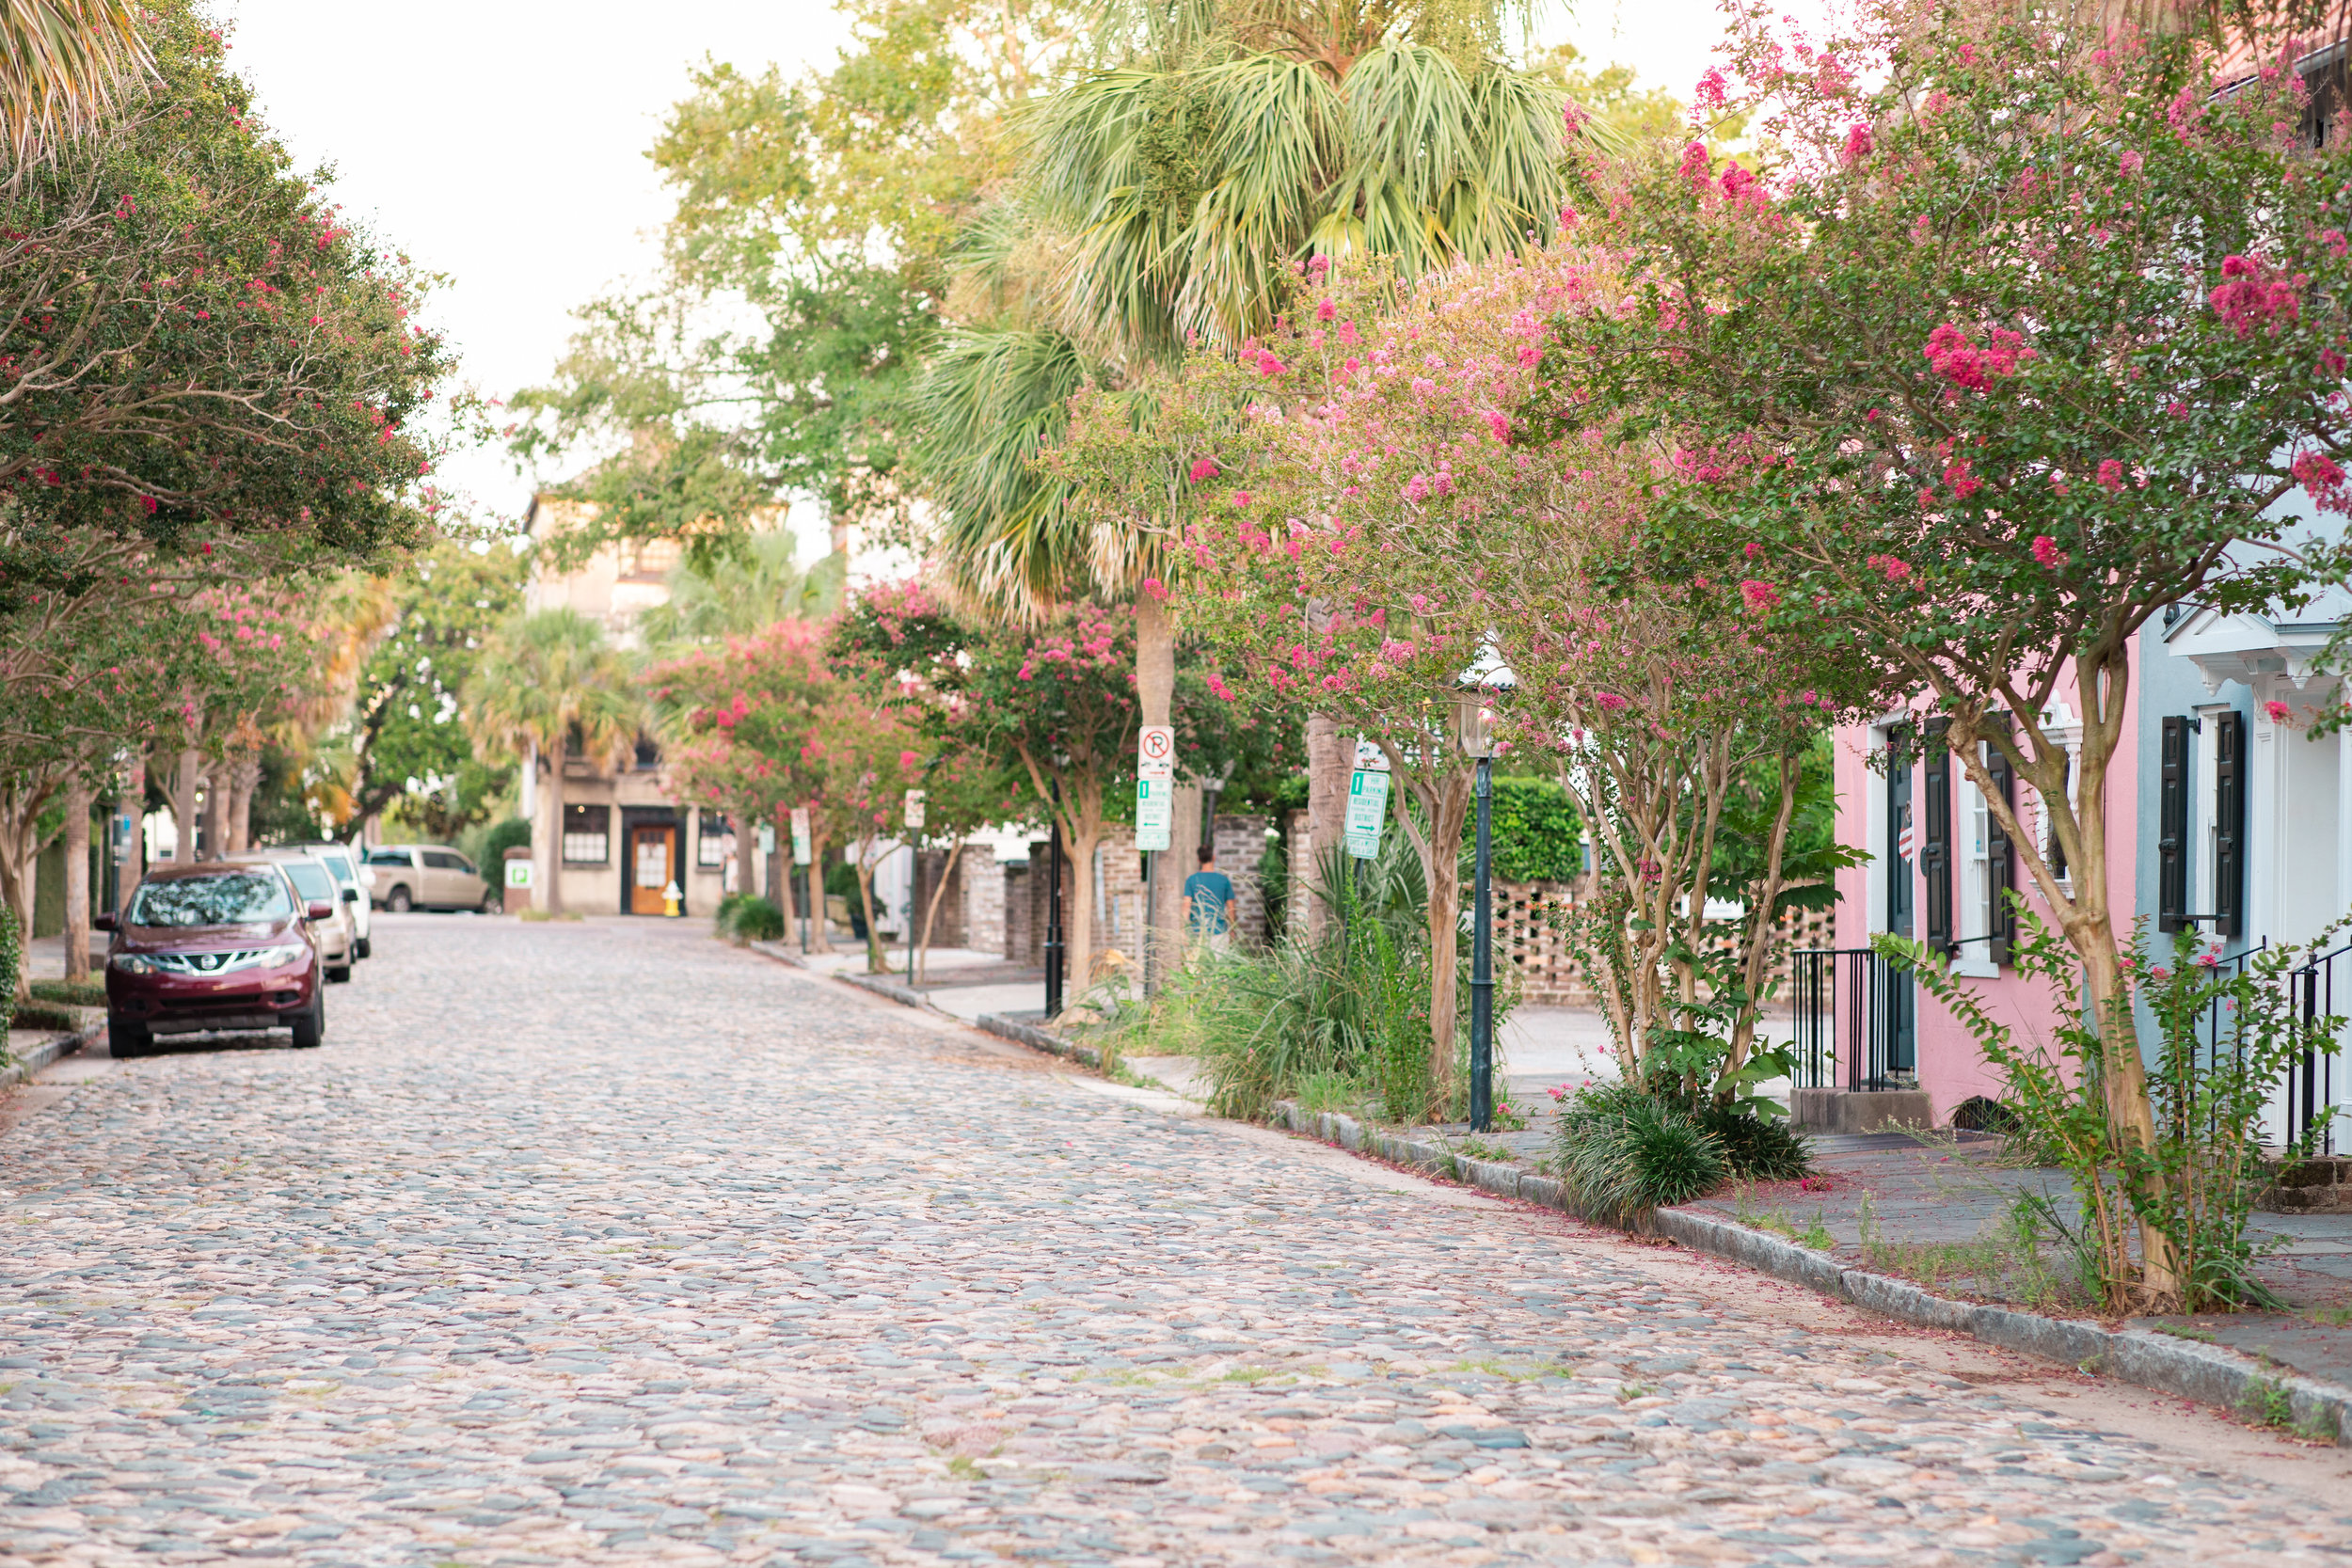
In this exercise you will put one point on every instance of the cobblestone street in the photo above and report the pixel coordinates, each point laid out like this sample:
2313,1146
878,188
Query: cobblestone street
604,1241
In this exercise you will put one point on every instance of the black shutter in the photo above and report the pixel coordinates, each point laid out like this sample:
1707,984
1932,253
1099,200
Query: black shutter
2229,824
2000,920
2172,828
1935,843
2049,816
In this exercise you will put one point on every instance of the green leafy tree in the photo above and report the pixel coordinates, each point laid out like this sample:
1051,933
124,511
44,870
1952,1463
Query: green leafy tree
407,731
548,685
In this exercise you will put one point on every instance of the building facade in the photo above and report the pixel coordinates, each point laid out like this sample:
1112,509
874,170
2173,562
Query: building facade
624,845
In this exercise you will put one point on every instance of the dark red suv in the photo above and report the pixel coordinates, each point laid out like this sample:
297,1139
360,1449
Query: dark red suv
213,947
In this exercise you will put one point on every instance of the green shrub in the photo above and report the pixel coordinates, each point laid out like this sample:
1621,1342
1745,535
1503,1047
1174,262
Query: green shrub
1755,1149
753,919
513,834
71,994
11,963
45,1016
1622,1152
1534,832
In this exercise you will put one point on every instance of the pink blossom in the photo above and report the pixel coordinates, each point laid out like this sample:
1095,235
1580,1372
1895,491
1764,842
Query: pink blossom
1268,365
1204,467
2248,300
1951,354
1710,91
1417,488
1858,144
2279,712
1759,595
1420,603
1608,702
2130,163
2111,477
2045,550
1316,266
907,761
1499,425
1753,549
1240,497
2332,239
1325,310
1695,163
1894,569
1963,482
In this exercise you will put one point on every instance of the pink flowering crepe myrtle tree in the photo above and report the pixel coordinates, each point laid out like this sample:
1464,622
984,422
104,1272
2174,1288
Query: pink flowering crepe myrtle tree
2010,353
1055,702
746,726
1436,514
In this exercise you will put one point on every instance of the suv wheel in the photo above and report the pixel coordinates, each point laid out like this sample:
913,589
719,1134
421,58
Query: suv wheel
339,974
126,1038
310,1028
363,948
398,900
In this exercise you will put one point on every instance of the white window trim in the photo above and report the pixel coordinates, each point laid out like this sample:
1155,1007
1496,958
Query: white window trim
1972,879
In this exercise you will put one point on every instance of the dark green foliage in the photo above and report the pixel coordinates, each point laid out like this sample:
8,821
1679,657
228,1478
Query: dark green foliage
513,834
1535,833
11,960
751,918
1622,1152
71,994
1755,1149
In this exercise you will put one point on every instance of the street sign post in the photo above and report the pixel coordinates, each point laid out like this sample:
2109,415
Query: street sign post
1155,786
916,808
799,835
1367,802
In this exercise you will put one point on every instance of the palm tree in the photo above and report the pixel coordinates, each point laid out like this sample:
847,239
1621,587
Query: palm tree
62,63
1155,203
547,682
745,589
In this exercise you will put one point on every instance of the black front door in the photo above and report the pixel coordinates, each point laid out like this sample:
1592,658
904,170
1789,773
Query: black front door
1902,848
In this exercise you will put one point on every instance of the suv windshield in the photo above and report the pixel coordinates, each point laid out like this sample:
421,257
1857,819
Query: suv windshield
310,880
337,862
231,898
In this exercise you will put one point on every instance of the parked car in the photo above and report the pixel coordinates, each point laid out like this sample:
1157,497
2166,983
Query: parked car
430,876
343,861
213,946
338,936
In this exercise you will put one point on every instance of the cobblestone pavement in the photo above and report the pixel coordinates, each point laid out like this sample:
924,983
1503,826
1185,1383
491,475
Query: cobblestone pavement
603,1242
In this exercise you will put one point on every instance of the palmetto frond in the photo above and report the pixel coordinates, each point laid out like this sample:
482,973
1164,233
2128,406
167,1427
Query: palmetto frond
990,400
1180,186
548,677
62,64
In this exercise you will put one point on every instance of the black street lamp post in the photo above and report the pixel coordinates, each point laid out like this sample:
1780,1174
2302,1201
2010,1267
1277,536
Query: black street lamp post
1052,911
1475,723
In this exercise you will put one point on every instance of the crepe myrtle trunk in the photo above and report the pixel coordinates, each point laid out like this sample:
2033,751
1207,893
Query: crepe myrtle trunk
1443,795
1327,766
77,802
813,882
184,779
2080,906
930,908
216,788
744,845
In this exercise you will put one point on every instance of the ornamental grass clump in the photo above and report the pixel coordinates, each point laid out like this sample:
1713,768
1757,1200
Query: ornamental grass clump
751,918
1624,1151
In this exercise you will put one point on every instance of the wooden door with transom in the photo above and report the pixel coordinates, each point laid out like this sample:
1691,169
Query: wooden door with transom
651,853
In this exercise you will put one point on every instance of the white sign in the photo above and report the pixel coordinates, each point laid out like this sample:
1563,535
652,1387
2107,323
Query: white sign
518,873
1370,758
1367,809
1156,812
767,838
799,835
916,806
1156,753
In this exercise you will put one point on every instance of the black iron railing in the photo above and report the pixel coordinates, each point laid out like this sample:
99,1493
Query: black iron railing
2311,1086
1855,1018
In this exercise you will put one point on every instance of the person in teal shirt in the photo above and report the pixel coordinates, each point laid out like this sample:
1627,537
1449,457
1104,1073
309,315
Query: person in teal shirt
1210,894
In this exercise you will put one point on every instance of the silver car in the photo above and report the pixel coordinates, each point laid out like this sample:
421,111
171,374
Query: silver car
337,935
343,862
430,876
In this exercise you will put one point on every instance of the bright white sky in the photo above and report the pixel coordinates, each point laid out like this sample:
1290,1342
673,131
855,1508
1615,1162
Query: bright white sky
501,142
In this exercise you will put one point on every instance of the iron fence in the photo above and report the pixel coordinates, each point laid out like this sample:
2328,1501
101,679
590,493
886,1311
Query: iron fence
2311,1086
1856,1020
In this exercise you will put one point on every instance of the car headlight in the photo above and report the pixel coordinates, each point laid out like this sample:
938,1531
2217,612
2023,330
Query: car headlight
131,963
285,955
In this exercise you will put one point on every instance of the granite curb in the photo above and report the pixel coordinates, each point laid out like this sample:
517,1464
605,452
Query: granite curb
777,951
2208,1374
48,1050
1039,1039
